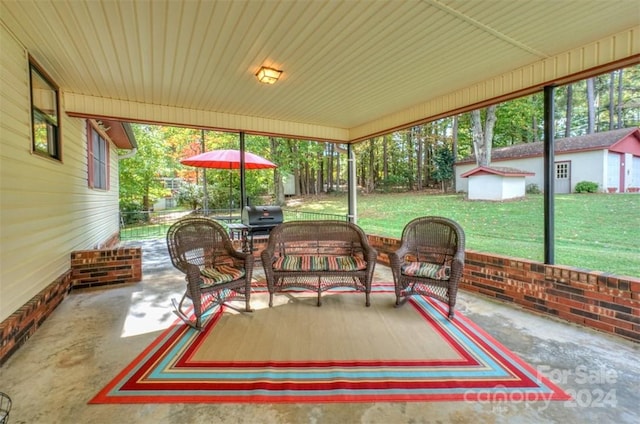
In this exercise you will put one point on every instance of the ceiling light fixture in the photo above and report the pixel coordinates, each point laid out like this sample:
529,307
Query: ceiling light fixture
268,75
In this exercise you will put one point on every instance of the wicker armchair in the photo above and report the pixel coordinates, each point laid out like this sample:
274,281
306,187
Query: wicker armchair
215,272
429,261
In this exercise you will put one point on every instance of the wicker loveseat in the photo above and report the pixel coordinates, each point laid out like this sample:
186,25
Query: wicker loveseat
318,255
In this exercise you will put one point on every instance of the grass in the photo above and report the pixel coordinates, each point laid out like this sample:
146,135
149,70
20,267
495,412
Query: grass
592,231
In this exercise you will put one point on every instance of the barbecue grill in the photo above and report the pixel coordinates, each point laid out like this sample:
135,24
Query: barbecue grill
260,220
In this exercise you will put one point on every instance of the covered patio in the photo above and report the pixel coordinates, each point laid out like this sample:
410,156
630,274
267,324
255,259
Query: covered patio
351,71
95,333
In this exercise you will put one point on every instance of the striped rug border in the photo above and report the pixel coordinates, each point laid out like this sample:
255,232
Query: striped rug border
164,372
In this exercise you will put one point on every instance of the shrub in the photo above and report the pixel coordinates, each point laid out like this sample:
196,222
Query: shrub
131,212
532,189
586,187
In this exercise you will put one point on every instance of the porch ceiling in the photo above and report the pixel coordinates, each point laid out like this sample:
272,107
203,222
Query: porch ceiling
352,69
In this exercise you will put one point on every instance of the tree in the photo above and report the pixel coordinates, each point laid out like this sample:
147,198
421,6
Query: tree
483,137
190,194
140,174
443,165
569,111
591,115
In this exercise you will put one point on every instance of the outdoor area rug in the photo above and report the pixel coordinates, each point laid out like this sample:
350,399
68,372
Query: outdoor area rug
296,352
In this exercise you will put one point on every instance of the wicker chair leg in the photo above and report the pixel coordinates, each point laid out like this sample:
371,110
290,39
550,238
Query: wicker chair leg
400,301
178,311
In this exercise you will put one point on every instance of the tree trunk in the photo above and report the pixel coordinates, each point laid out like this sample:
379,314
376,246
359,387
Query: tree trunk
372,156
534,122
411,158
620,101
569,111
420,146
277,176
454,148
591,121
336,153
612,85
385,157
321,172
293,148
482,138
330,167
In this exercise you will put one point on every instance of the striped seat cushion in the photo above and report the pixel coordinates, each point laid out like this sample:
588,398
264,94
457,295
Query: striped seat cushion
426,270
220,274
319,263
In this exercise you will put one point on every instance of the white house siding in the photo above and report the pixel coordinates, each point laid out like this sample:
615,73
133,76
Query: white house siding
585,166
485,187
46,208
512,187
613,172
635,172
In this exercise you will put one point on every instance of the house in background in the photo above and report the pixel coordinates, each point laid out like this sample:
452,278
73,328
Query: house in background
611,159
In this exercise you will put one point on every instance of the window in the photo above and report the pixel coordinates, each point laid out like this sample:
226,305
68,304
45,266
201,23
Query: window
98,158
562,170
44,114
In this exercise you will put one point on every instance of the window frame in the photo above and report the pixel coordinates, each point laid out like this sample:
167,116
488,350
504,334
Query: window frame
102,158
41,119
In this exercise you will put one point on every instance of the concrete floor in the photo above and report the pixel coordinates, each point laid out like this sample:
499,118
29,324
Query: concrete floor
94,334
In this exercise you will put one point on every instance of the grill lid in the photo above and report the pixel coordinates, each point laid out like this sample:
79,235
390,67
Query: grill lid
262,216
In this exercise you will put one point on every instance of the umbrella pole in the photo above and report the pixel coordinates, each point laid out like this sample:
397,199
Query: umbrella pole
204,179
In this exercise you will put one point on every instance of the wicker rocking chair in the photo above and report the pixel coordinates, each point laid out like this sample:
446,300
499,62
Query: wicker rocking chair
429,261
215,272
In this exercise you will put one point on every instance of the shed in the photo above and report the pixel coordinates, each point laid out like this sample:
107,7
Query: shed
610,158
496,183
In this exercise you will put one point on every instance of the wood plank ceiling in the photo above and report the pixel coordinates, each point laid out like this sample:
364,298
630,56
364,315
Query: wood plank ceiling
354,67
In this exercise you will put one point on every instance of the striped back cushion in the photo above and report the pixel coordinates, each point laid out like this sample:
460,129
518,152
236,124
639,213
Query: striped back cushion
319,263
426,270
220,274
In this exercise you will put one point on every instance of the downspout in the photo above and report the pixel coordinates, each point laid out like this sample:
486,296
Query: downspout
132,138
549,175
129,154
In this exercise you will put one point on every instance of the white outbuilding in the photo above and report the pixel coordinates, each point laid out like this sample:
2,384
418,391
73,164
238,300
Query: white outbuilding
496,183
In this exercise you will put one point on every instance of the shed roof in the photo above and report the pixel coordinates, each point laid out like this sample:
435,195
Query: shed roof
596,141
503,171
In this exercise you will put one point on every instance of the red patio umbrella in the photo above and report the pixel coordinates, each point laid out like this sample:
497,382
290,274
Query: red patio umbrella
227,159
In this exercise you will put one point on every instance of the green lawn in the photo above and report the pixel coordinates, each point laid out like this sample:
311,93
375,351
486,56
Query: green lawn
593,231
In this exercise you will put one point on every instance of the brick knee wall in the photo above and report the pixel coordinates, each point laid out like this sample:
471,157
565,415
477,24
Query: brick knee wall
16,329
594,299
103,267
89,268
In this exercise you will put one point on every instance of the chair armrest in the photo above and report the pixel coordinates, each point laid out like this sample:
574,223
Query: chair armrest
457,265
396,259
193,278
